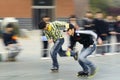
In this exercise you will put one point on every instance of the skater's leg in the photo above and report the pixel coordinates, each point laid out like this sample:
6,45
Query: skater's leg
83,58
58,44
62,52
17,50
10,56
71,53
14,51
80,60
45,47
84,66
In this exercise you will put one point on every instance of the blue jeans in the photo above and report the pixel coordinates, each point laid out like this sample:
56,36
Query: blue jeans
82,59
57,48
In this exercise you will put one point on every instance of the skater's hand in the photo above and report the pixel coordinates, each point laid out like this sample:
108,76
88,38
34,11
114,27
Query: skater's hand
10,45
18,44
50,40
68,49
113,33
103,34
14,37
100,42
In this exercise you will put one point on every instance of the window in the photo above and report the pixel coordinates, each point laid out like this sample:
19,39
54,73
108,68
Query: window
43,2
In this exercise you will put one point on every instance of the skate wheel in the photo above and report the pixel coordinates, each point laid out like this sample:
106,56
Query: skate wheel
54,71
83,76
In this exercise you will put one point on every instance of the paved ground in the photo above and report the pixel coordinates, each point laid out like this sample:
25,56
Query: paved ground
39,70
30,67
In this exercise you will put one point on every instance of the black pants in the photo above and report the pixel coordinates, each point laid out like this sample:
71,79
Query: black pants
118,38
45,49
118,41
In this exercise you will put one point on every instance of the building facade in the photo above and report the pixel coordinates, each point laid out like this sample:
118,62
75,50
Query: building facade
29,12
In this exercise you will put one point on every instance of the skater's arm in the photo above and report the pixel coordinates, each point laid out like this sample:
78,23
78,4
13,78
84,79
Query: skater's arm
8,41
47,36
94,35
61,24
5,42
72,43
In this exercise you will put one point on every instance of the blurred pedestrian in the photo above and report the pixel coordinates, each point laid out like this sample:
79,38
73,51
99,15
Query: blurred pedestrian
87,21
74,21
45,50
11,43
117,28
101,29
111,30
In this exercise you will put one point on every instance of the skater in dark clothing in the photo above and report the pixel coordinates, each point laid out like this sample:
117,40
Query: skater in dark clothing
10,41
88,39
74,21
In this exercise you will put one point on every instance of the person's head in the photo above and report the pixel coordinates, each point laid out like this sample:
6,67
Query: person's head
89,14
118,18
46,18
109,17
70,30
74,21
72,18
9,27
43,25
99,15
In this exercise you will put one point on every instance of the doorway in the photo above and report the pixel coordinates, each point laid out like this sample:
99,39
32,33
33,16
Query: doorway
39,13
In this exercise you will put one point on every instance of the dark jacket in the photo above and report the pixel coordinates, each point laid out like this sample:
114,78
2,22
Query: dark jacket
84,39
117,26
111,26
101,27
88,24
7,39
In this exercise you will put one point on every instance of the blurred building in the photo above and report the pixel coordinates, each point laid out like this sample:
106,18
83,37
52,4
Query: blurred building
29,12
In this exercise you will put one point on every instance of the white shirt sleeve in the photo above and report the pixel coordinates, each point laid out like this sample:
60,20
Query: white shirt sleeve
94,35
